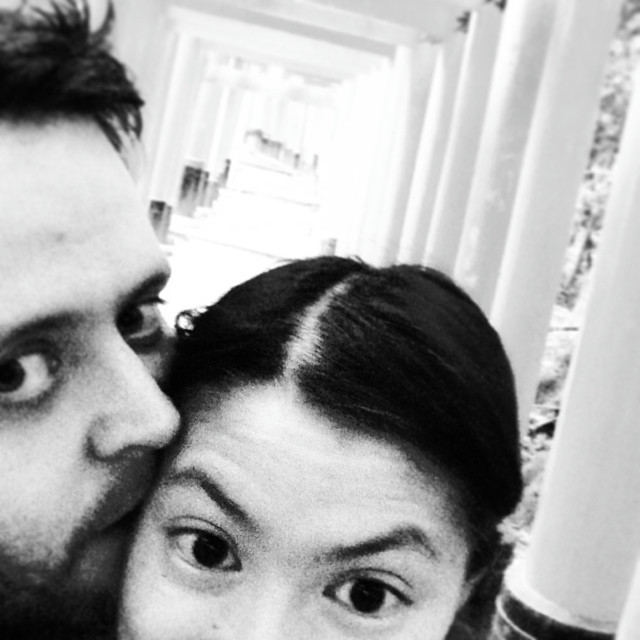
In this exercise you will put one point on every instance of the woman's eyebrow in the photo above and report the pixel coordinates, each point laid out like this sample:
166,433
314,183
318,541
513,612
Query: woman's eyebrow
404,537
200,478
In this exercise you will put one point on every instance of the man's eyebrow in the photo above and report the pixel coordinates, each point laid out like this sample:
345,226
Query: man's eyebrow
39,325
200,478
63,320
403,537
154,282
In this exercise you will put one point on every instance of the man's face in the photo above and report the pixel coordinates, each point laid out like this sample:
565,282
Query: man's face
81,341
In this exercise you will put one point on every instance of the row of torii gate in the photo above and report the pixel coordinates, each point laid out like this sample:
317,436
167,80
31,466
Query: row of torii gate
464,150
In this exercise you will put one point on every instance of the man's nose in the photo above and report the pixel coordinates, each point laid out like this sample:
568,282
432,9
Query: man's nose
130,412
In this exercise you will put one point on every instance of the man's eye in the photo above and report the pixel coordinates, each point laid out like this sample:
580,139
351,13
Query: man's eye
368,597
26,377
206,551
141,323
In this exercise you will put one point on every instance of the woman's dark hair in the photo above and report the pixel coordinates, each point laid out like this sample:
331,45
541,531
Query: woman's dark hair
401,352
52,65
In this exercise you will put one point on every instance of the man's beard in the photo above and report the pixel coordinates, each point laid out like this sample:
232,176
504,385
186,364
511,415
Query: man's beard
38,609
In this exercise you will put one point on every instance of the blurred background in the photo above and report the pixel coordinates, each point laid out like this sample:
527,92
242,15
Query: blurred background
285,129
395,131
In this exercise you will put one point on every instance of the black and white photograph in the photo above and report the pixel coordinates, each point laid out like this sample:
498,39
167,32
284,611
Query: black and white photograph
318,320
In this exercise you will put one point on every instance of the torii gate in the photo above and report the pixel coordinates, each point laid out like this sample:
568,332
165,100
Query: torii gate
480,144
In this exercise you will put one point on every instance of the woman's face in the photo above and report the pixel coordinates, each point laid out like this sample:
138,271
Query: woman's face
270,521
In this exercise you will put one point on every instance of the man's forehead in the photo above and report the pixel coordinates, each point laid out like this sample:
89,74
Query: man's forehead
71,223
30,134
41,164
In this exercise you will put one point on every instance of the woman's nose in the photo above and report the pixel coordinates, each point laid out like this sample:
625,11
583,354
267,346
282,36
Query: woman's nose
266,612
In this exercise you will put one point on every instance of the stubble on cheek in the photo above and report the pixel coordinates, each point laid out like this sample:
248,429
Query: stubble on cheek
39,597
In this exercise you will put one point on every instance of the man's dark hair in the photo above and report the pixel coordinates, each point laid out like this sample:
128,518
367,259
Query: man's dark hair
52,65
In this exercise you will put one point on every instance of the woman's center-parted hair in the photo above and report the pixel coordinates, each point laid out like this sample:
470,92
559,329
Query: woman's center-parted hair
400,352
306,343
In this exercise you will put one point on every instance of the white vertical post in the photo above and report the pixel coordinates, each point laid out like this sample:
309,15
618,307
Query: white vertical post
414,69
215,159
347,169
366,121
555,160
203,121
156,100
286,119
239,120
629,627
365,134
586,537
302,128
134,35
144,38
431,150
225,129
522,52
369,243
183,85
468,119
332,182
274,76
214,104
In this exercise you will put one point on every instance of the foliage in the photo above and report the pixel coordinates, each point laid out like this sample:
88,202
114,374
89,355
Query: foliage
624,56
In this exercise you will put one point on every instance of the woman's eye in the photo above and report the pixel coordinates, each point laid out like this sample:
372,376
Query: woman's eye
205,550
26,377
369,597
140,323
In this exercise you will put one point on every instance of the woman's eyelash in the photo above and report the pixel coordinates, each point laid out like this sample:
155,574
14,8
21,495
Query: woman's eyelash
205,550
369,595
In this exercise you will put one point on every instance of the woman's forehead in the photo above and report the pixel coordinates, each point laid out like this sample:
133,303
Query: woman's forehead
273,418
278,456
